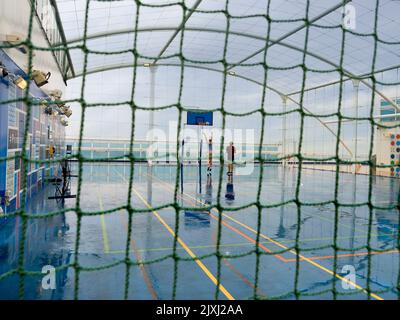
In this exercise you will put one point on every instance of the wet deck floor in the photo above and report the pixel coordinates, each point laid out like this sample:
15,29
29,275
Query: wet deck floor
280,271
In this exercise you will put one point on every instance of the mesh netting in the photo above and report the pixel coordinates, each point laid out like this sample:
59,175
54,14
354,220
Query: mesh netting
370,81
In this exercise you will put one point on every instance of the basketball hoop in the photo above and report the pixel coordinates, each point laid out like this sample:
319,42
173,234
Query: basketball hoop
199,118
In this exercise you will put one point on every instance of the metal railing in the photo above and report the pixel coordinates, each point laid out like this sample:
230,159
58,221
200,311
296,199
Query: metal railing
109,148
49,19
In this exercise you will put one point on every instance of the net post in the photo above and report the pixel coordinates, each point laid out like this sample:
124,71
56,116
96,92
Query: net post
284,124
181,162
356,85
153,69
200,155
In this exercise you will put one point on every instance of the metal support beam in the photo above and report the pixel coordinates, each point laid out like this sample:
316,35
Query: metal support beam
383,116
239,76
185,19
327,84
292,32
62,33
150,153
153,70
356,85
289,46
284,123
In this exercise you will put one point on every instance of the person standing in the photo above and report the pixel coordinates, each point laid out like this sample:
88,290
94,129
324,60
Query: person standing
210,154
230,151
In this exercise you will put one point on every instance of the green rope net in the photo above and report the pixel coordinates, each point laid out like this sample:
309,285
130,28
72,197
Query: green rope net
262,110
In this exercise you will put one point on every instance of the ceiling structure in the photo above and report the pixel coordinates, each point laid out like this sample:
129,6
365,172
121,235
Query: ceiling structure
111,26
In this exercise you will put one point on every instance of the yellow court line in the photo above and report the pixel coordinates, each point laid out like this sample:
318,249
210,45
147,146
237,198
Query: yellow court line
309,260
183,244
187,249
104,227
291,251
333,221
239,244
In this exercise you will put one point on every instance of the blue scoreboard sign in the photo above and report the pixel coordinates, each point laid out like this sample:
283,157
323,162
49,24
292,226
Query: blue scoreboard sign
199,118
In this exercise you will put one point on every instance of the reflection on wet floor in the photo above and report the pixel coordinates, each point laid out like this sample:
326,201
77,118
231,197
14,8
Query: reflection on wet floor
366,239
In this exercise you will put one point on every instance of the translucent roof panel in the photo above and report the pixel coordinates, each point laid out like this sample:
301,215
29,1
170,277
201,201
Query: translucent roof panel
245,38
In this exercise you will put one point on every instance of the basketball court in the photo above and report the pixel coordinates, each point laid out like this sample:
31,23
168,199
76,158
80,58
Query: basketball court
199,149
152,245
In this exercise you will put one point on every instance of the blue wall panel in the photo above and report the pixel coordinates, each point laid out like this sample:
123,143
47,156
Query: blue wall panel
13,119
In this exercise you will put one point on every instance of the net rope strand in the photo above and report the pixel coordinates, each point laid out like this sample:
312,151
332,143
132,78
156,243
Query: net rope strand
129,208
80,162
370,181
221,151
260,158
337,176
262,110
178,169
25,164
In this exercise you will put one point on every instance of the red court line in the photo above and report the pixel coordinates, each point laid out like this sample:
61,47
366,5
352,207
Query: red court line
315,264
278,256
142,267
240,275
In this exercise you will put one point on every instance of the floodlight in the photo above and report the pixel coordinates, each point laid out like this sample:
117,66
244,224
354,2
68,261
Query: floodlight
3,70
64,121
20,82
40,77
48,110
66,110
15,40
55,94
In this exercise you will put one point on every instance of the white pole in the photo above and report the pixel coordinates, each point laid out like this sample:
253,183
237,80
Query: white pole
151,113
151,128
356,85
284,124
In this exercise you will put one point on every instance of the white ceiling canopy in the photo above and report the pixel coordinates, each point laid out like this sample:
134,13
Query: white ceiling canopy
239,33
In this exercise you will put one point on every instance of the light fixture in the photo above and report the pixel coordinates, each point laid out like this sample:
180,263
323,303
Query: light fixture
55,94
146,64
64,121
66,110
42,104
231,73
48,110
40,77
12,38
3,70
20,82
16,40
